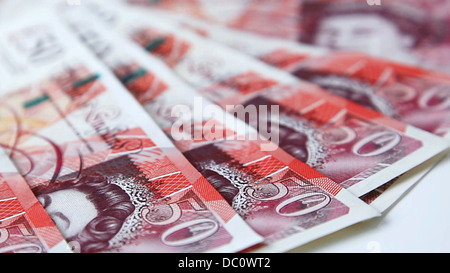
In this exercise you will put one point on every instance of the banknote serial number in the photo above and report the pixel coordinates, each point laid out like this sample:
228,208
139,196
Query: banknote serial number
225,262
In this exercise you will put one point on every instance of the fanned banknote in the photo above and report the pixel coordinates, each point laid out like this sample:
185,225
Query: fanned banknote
25,227
359,148
281,53
409,31
281,198
266,17
369,81
413,95
106,174
238,178
414,32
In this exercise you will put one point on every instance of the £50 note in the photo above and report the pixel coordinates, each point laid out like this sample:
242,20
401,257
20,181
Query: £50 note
411,94
281,198
104,171
25,226
358,148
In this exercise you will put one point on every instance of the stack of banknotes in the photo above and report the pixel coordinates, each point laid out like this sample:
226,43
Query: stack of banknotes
214,126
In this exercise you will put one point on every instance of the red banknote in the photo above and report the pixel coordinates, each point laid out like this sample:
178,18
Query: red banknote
282,199
266,17
25,227
409,31
356,147
103,170
413,95
414,32
410,94
351,76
